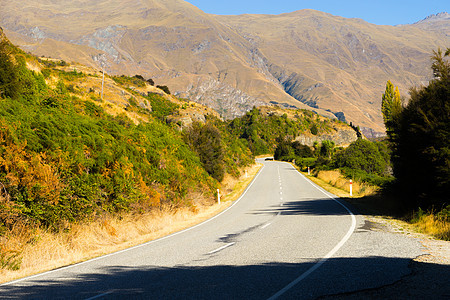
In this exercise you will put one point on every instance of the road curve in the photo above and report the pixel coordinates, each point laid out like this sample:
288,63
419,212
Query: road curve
285,238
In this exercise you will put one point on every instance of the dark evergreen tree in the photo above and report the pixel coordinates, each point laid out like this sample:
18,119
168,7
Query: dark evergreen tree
421,149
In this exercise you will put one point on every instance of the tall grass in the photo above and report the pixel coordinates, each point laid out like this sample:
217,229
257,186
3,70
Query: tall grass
26,250
435,223
336,179
31,250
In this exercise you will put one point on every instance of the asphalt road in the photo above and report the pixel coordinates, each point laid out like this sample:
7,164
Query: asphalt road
285,238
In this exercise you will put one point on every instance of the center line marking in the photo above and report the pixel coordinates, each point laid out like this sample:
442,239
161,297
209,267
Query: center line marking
329,254
221,248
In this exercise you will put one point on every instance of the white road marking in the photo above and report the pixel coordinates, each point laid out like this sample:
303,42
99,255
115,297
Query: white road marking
221,248
329,255
137,246
265,226
101,295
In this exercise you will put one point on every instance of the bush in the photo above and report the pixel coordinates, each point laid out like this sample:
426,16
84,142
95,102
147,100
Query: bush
207,142
9,81
363,155
161,107
164,88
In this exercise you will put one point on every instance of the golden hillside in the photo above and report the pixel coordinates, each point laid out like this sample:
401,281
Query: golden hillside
305,59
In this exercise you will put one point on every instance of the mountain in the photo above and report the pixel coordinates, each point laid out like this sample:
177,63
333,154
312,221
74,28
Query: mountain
306,59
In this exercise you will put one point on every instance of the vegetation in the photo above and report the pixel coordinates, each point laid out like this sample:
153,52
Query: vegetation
365,161
434,223
420,141
164,88
390,107
207,142
263,132
161,107
136,80
64,160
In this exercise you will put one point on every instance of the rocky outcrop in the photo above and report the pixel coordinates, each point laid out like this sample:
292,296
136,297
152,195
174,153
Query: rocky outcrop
340,136
185,119
228,101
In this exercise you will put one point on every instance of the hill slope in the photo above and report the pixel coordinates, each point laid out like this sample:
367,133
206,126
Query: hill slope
231,63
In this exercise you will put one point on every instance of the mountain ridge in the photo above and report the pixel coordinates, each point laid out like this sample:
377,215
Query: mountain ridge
335,66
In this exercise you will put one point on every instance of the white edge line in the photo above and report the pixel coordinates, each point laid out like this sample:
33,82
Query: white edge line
329,254
101,295
265,226
137,246
221,248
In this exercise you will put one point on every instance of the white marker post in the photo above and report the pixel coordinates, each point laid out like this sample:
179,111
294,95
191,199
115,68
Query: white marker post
351,188
309,172
218,196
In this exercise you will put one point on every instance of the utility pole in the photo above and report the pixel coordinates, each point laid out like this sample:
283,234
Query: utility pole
103,80
102,60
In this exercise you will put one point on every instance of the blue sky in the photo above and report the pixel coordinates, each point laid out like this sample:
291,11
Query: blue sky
381,12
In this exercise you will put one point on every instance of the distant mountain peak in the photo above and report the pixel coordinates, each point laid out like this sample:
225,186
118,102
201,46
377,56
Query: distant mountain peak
435,17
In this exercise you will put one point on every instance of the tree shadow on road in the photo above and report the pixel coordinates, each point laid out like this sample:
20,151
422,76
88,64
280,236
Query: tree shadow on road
336,276
307,206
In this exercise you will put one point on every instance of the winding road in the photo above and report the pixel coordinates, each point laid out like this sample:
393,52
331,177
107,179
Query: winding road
285,238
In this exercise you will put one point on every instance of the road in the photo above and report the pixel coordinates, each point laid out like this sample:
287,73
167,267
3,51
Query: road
285,238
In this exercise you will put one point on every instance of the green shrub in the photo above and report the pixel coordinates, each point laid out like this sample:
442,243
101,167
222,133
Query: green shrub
206,140
363,155
164,88
161,107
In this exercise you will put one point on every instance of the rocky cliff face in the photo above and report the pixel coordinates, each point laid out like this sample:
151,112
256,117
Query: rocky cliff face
340,136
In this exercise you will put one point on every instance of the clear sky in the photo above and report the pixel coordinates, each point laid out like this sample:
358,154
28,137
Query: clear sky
381,12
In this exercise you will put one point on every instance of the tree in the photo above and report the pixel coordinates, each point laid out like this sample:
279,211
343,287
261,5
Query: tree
363,155
440,67
391,107
9,84
206,140
421,150
139,77
327,149
165,88
301,150
283,150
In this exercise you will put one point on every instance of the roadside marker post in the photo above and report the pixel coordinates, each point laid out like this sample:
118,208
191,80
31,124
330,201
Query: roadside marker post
309,172
351,188
218,196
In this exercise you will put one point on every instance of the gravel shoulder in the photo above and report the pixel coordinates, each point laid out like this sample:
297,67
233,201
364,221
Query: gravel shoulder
430,272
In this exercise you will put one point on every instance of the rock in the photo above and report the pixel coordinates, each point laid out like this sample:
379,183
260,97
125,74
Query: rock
341,137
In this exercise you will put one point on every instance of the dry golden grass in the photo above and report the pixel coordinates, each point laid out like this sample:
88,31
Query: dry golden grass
233,187
368,201
337,180
433,225
42,250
